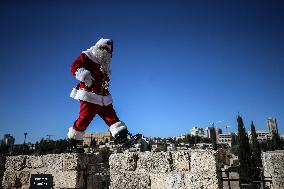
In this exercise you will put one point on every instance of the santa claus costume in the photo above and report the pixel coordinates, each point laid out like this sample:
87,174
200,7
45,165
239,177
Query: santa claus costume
92,69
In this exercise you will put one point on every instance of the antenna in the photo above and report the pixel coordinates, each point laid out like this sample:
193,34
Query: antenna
227,126
49,136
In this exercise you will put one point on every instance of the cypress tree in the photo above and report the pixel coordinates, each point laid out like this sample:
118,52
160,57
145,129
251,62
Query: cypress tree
214,138
275,141
244,152
256,152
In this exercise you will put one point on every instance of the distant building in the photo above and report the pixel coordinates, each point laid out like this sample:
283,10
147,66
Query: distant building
218,131
227,139
181,137
9,140
272,125
103,137
261,135
195,131
210,130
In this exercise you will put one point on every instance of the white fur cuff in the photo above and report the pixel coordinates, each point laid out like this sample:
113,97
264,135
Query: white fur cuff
82,74
116,128
73,134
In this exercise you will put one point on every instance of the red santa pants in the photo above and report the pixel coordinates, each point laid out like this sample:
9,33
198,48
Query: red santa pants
89,110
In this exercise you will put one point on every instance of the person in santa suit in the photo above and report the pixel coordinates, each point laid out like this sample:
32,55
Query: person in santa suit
93,69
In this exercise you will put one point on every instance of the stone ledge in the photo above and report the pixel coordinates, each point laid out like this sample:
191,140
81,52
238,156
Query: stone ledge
69,170
162,170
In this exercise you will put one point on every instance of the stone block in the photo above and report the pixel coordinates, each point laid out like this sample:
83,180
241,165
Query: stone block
34,162
9,179
16,163
167,181
204,161
181,160
202,180
123,161
129,180
68,179
273,165
52,162
157,162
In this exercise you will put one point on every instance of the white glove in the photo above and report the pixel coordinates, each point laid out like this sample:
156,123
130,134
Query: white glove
88,81
85,76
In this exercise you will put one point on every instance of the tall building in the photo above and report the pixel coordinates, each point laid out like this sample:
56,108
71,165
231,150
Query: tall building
209,131
272,125
9,140
195,131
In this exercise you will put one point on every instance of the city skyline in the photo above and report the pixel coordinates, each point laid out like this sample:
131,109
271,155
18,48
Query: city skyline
176,64
195,128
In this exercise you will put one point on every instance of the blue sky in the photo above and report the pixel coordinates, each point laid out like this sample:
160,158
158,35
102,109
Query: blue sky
176,64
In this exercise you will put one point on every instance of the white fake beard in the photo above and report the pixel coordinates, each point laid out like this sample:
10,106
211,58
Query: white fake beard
104,59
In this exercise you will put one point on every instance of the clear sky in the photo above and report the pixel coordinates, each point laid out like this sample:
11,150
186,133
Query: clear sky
176,64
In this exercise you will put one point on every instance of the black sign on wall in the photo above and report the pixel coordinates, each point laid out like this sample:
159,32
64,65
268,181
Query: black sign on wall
41,181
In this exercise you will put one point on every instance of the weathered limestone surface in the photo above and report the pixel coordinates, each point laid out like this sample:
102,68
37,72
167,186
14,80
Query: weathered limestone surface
68,170
194,169
165,170
273,164
2,168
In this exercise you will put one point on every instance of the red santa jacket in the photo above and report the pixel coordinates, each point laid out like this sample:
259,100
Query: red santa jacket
98,92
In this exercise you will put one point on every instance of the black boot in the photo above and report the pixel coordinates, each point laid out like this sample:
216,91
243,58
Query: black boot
134,139
121,137
126,139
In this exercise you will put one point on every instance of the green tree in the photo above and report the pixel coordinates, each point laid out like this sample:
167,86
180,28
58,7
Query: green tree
244,151
275,141
214,139
255,147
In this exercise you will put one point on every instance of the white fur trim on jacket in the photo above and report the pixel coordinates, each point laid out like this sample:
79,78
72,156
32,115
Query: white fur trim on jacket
73,134
82,74
81,94
90,54
116,128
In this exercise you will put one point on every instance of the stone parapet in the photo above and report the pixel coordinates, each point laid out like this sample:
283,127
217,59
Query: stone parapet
68,170
273,165
165,170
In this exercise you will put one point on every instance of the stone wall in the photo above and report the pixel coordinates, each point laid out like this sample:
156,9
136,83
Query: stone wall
273,164
68,171
153,170
2,168
165,170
